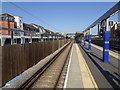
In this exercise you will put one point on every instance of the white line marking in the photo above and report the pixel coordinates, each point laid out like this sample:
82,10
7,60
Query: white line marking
68,69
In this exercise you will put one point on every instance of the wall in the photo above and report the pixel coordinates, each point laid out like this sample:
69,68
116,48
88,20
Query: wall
6,24
18,58
0,65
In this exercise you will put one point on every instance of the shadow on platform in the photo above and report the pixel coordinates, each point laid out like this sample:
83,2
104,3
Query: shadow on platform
109,77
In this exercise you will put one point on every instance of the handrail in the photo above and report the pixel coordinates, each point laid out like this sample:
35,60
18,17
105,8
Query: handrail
33,32
17,30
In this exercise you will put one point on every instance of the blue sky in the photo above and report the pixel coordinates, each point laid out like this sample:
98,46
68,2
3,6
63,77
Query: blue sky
62,16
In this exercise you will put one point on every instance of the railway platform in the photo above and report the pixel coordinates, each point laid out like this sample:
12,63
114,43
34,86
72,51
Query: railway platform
78,74
87,70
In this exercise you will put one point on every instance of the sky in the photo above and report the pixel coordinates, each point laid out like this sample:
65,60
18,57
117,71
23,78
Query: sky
65,17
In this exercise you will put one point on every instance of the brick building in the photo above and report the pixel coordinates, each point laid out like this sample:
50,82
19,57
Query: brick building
9,21
6,21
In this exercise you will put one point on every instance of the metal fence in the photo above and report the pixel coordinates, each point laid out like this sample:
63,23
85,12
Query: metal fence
114,43
17,36
18,58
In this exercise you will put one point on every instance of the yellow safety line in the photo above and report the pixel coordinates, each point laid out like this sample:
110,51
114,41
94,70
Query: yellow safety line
90,74
93,80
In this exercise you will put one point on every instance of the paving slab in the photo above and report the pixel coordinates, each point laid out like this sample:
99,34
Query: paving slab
74,77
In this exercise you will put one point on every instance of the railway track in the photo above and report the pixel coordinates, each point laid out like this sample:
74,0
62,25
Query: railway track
49,75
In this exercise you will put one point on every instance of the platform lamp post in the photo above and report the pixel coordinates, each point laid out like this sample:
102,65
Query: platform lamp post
89,38
106,42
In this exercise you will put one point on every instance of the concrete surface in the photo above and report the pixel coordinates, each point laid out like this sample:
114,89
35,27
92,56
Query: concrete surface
74,76
106,75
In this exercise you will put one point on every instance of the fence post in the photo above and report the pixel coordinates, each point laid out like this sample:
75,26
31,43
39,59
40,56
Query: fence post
106,43
2,41
1,66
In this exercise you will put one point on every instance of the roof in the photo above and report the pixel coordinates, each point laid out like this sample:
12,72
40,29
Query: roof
6,14
37,25
29,25
48,31
115,9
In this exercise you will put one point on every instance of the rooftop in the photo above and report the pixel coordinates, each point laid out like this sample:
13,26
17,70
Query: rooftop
6,14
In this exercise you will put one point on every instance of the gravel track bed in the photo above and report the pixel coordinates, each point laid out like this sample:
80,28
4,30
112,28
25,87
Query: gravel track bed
49,78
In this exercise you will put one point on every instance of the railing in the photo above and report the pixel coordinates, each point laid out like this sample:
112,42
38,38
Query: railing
114,43
22,34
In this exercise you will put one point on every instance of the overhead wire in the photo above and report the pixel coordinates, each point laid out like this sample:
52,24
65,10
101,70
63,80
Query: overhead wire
32,15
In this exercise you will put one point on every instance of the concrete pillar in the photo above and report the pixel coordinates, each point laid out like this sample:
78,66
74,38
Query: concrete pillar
31,39
106,43
84,41
22,40
2,41
52,37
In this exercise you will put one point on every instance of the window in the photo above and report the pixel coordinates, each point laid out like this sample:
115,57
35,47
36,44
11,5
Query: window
6,18
3,18
10,19
0,18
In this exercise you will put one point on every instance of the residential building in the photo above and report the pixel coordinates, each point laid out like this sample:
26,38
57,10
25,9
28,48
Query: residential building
48,31
41,29
30,27
6,21
19,22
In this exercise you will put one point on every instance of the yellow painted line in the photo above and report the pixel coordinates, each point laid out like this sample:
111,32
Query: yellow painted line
88,79
115,13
